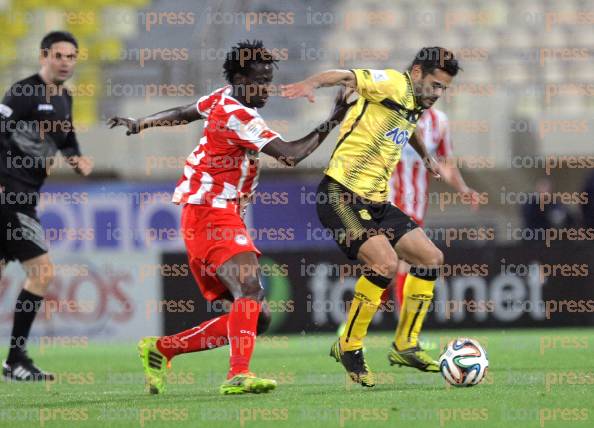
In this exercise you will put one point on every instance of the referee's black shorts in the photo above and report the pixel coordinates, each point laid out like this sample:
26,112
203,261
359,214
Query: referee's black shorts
352,220
21,235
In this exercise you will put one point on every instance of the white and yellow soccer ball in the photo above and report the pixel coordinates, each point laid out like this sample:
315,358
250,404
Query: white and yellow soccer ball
463,362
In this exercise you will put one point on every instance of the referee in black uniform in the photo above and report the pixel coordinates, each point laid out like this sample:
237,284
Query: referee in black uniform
35,122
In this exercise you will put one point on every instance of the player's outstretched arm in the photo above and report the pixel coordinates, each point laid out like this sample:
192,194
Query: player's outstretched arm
181,115
306,87
292,152
452,176
450,173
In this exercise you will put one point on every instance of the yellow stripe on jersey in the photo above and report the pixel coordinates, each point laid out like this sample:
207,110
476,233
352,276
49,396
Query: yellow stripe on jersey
374,133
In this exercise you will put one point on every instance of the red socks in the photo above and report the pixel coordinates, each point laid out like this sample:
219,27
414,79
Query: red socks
400,278
210,334
242,326
398,290
238,328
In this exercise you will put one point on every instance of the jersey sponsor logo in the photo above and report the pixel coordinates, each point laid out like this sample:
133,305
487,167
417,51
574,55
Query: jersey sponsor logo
398,136
5,110
45,107
364,214
241,240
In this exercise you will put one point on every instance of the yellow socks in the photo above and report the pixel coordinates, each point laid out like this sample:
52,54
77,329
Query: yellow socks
365,303
417,297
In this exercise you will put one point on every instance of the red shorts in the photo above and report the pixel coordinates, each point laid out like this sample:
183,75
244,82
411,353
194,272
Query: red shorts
213,236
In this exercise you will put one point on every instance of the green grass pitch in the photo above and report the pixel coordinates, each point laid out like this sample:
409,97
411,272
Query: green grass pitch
537,378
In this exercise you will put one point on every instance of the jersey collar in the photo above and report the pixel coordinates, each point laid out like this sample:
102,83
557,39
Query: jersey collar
411,88
228,94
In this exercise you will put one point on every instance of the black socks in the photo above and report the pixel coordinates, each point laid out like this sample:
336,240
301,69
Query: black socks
26,308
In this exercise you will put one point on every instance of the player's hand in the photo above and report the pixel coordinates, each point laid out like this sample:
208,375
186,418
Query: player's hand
132,124
81,164
433,168
305,88
341,104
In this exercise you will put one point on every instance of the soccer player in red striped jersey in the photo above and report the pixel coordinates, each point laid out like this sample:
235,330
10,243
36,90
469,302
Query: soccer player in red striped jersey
409,185
218,179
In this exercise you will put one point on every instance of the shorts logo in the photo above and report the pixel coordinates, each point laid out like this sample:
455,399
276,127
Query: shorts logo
399,137
241,240
5,110
365,214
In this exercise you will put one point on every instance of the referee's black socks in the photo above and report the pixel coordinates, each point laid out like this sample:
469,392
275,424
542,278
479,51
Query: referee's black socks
25,310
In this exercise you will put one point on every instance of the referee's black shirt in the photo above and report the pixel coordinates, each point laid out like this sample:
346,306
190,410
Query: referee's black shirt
34,124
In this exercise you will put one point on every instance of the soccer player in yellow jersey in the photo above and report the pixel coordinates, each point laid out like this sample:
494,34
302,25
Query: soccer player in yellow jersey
352,199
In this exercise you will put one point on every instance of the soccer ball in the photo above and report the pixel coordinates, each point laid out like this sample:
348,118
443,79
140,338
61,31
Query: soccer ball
463,362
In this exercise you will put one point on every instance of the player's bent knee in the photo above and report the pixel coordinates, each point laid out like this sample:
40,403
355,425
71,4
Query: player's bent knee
438,258
40,276
433,258
252,289
385,266
387,270
390,269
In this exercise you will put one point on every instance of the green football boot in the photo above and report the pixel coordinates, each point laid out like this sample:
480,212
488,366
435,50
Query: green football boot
246,383
154,363
414,357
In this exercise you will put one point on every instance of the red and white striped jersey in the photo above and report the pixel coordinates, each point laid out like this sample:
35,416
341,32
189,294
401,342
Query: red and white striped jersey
225,165
409,182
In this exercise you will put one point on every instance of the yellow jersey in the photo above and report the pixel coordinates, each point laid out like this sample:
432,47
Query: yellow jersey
374,132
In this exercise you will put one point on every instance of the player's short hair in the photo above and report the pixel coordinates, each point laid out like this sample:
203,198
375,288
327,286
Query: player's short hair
55,37
243,56
435,57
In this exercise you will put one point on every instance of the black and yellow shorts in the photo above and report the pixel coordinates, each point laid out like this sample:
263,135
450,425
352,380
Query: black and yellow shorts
352,219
